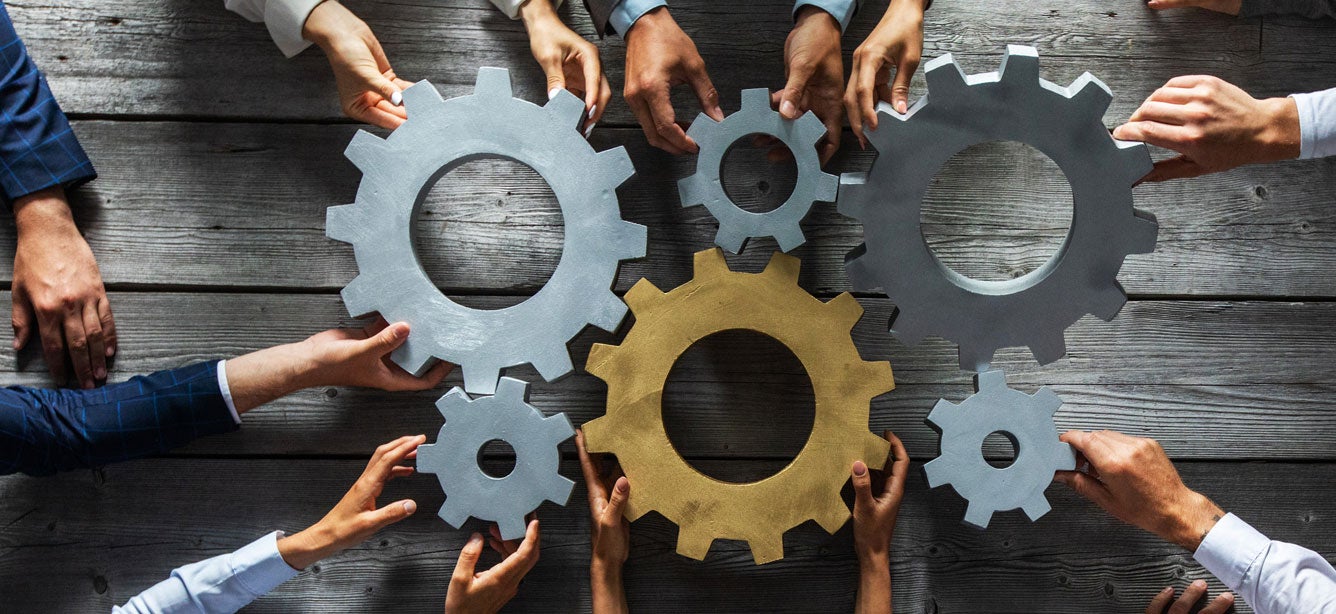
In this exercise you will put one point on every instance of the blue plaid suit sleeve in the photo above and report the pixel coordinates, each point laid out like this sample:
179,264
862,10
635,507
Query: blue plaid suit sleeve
45,431
38,149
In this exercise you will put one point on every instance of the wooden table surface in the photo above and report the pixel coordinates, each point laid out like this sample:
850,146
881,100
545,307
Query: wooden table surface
217,158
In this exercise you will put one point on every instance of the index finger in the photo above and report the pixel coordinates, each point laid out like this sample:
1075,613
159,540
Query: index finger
664,118
596,490
895,480
515,566
385,459
76,339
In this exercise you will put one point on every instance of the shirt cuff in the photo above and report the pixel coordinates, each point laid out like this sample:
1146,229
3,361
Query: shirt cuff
1229,549
227,392
841,10
259,567
1317,123
285,19
625,14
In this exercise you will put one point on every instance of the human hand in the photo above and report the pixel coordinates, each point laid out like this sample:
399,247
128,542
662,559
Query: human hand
570,61
874,524
1229,7
368,88
610,533
58,291
355,517
814,71
659,55
361,357
471,592
1191,595
897,42
1133,479
1214,125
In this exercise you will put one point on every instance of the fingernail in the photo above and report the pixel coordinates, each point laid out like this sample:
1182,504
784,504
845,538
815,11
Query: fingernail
788,109
16,344
399,331
860,469
397,98
1167,590
590,128
410,506
110,352
623,485
593,110
902,106
552,93
1199,584
100,373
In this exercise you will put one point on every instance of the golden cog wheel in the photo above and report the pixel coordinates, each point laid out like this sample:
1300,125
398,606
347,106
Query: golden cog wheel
771,303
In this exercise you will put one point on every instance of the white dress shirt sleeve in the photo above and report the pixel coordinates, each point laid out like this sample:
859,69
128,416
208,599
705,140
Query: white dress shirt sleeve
1317,123
220,585
1273,577
841,10
283,18
227,391
625,14
512,7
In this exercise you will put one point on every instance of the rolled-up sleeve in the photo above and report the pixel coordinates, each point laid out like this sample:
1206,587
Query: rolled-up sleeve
1273,577
283,18
1317,123
222,584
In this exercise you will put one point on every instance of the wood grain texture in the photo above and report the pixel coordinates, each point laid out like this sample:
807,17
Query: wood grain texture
84,541
1256,375
243,205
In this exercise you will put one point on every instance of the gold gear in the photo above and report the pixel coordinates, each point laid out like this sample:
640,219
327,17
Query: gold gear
771,303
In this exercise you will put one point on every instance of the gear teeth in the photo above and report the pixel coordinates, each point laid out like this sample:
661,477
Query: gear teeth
512,390
493,83
945,79
597,435
1133,160
694,543
568,107
846,309
1048,347
756,99
701,126
560,490
429,455
632,239
944,416
730,239
1107,301
790,238
511,527
809,128
879,379
782,266
616,165
1066,458
935,472
642,296
421,97
608,314
1143,232
452,404
767,549
908,330
359,296
1047,400
859,269
600,354
975,358
827,188
978,516
1020,67
553,363
834,516
1036,507
994,379
850,186
1091,95
366,151
690,191
709,263
559,428
343,223
479,378
413,357
452,513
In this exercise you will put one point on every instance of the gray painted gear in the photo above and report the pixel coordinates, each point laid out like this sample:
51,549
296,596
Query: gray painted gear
736,224
1027,420
1011,104
507,416
397,174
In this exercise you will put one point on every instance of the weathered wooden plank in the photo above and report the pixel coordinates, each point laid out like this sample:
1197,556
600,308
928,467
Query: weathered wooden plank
195,59
85,541
1212,380
242,205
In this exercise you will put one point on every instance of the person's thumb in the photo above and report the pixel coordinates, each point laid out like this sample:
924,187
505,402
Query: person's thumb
468,560
556,75
904,73
1169,4
392,513
23,320
862,484
388,340
1178,167
1086,486
621,491
792,95
377,82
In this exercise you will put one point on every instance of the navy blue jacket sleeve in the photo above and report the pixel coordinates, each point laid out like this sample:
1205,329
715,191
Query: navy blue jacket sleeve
45,431
37,148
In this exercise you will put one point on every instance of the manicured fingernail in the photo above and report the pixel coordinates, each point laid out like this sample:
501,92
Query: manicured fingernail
593,110
860,469
552,93
397,98
410,506
902,106
788,109
590,128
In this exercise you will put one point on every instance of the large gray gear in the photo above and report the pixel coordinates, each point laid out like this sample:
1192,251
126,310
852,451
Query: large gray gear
507,416
1011,104
397,174
1027,420
736,224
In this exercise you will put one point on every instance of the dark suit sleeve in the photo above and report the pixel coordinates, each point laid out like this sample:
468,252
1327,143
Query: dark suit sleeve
37,148
45,431
600,11
1312,9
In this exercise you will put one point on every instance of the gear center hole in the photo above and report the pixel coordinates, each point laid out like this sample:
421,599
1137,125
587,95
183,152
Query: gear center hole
752,179
496,458
1000,449
738,393
491,218
997,211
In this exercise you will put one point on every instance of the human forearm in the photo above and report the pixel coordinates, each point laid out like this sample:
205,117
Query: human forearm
606,590
260,377
874,586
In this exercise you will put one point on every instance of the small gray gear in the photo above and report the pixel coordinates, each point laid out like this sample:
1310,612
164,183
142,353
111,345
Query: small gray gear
507,416
397,174
1027,420
1011,104
736,224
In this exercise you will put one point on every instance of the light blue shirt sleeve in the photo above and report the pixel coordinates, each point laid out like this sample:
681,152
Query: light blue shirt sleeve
1273,577
841,10
1317,123
625,14
220,585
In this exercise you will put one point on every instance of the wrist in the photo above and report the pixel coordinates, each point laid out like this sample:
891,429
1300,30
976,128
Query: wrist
1195,517
1280,135
44,212
901,11
322,25
873,561
308,547
811,15
654,19
537,11
605,570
